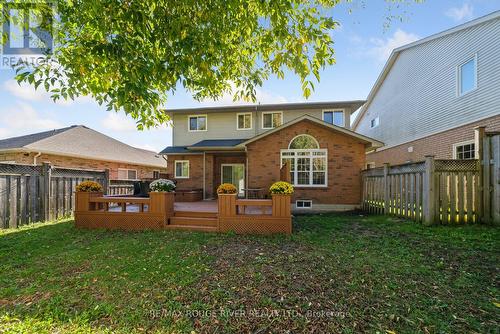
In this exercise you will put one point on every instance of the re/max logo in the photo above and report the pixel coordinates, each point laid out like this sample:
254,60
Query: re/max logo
26,27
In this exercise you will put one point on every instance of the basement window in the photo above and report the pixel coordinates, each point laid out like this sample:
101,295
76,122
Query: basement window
464,151
303,204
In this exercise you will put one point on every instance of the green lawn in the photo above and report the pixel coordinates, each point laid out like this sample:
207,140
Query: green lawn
336,273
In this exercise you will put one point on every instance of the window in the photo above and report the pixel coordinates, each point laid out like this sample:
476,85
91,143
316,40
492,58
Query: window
156,174
335,117
308,163
127,174
181,169
375,122
244,121
303,204
465,150
198,123
467,76
370,165
271,120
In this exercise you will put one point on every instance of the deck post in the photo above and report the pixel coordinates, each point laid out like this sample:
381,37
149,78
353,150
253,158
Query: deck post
227,205
281,205
162,203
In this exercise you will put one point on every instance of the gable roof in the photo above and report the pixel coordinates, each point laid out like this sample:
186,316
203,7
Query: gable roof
372,142
396,52
82,142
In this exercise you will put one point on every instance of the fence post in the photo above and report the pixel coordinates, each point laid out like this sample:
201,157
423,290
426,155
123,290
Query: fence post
46,191
495,178
485,162
106,182
479,132
429,189
386,188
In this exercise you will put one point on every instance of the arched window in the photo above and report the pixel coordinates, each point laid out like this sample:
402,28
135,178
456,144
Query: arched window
303,142
308,163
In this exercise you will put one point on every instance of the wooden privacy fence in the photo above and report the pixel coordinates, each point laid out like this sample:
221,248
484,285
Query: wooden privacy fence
433,191
31,194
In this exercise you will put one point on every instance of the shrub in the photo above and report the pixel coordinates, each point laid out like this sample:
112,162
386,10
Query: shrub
281,187
162,185
89,186
226,188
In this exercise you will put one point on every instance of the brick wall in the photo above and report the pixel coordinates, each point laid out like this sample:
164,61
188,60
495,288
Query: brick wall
346,159
195,180
213,162
143,172
219,161
440,144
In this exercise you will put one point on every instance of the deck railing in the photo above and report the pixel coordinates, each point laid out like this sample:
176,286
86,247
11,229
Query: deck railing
93,210
235,216
267,216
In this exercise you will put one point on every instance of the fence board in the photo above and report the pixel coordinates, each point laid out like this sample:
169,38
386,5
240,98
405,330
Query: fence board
460,199
469,200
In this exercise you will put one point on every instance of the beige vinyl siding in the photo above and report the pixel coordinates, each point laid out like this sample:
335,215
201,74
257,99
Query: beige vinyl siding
222,125
419,95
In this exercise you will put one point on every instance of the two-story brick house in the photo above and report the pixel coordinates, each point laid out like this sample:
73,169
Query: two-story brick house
248,145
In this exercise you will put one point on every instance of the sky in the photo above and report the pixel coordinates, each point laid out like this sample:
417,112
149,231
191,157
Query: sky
362,45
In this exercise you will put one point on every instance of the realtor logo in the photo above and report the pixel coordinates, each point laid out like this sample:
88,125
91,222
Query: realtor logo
26,32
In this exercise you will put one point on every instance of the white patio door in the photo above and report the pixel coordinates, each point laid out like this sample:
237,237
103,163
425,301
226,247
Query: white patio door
234,174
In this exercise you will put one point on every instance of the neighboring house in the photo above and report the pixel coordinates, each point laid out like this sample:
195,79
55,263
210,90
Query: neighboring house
433,92
80,147
248,145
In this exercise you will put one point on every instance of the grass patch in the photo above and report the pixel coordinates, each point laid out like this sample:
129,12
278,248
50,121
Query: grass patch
336,273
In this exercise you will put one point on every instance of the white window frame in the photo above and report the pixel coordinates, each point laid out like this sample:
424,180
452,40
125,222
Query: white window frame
370,165
378,122
127,170
467,142
271,112
238,123
311,156
304,201
197,116
459,75
175,169
333,111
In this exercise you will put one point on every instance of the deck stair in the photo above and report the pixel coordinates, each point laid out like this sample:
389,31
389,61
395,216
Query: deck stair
194,221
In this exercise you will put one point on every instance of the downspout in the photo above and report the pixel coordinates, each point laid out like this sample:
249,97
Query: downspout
204,197
166,161
35,157
246,168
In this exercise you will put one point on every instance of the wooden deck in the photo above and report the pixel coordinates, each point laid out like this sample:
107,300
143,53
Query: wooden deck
228,213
